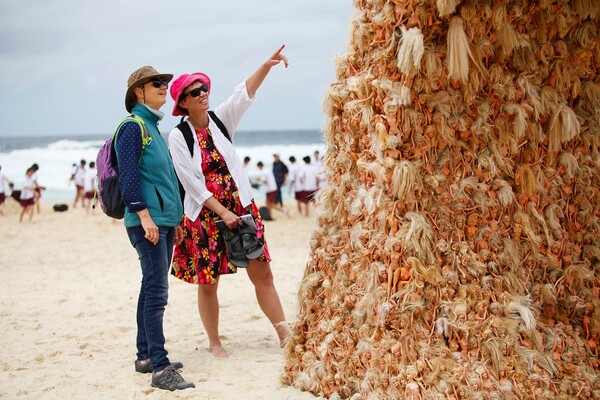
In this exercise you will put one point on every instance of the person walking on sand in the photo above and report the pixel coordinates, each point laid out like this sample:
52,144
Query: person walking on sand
295,183
280,172
77,175
89,185
267,178
216,187
3,179
27,197
318,163
153,211
37,192
309,177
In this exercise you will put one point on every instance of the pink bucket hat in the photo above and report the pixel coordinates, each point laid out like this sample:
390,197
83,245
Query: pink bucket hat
179,85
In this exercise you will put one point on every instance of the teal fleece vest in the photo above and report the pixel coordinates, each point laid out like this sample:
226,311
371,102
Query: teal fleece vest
158,181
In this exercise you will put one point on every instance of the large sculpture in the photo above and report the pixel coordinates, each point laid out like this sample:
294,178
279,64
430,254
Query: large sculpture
457,253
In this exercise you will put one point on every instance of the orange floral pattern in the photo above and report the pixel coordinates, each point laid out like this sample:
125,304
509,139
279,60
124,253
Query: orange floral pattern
201,257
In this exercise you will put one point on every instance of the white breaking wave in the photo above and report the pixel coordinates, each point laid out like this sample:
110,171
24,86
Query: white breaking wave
56,160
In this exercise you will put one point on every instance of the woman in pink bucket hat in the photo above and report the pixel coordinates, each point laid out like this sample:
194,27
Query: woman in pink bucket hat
217,188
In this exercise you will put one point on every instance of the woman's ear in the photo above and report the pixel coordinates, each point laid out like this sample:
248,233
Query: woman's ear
139,92
182,103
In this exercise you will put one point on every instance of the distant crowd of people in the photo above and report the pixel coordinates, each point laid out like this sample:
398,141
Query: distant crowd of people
303,179
29,194
84,179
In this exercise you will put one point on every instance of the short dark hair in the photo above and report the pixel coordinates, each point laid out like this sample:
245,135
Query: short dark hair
306,159
292,159
259,164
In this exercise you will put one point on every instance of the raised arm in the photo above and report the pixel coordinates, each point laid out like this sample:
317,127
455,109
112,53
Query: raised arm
256,79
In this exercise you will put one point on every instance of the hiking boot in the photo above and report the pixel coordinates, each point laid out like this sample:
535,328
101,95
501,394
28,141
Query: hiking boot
170,379
146,368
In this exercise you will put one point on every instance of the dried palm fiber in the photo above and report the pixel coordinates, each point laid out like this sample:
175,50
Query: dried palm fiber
410,295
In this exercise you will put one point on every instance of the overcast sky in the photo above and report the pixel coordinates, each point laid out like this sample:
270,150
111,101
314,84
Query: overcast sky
64,64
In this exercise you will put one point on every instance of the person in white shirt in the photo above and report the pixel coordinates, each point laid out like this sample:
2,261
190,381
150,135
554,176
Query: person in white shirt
295,183
310,184
77,175
247,170
267,178
3,190
317,161
319,165
37,192
27,198
89,185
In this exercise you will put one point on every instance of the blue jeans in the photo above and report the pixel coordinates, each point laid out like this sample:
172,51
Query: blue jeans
155,261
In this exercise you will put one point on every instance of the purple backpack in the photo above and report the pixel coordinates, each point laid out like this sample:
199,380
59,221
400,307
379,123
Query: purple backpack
107,171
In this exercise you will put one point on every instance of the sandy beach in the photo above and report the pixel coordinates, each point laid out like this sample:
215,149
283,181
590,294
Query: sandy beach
68,294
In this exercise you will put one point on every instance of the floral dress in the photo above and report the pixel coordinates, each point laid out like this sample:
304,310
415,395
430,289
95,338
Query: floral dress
201,257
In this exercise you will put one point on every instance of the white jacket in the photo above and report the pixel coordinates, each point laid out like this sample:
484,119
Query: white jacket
189,169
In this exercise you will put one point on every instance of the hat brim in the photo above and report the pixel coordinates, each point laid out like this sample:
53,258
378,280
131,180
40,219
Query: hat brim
130,98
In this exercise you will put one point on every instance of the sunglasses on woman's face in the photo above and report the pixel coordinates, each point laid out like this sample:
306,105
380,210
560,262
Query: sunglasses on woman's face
157,83
196,92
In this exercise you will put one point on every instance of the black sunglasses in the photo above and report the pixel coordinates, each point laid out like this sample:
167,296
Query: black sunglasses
157,83
196,92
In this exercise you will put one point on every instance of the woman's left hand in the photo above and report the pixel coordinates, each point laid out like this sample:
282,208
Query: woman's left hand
277,57
256,79
178,235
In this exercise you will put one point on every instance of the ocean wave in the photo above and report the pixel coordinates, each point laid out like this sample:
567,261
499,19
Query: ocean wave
56,157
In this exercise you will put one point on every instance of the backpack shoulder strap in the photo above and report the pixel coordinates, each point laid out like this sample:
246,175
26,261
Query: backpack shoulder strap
219,124
146,137
185,129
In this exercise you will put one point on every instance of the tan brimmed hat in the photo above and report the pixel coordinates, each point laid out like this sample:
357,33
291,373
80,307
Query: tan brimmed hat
139,77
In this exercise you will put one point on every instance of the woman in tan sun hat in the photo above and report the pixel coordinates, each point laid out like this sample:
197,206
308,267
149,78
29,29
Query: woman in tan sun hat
153,212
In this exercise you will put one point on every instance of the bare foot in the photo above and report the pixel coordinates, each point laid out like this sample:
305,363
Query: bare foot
218,351
282,328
